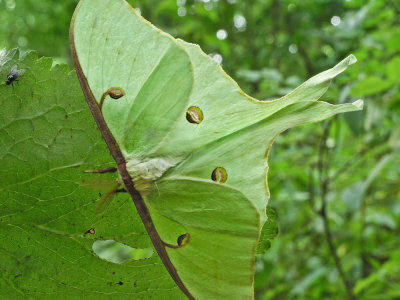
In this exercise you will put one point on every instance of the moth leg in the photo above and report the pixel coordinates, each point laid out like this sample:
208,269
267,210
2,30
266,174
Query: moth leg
101,171
106,199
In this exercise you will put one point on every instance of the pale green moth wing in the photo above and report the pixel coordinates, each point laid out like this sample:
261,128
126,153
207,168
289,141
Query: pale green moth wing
216,262
194,144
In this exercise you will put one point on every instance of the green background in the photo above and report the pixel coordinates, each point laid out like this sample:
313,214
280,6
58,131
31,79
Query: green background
337,181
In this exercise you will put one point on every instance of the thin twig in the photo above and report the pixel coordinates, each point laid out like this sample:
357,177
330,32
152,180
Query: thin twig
364,257
307,61
323,166
311,192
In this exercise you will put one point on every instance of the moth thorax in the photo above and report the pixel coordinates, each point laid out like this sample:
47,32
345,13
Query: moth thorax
145,172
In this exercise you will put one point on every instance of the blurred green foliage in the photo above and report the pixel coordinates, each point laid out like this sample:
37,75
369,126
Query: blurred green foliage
335,186
37,25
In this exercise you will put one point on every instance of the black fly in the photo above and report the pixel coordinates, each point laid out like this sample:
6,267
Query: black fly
13,75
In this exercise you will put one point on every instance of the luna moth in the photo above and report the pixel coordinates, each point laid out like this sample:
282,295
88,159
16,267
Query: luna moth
190,146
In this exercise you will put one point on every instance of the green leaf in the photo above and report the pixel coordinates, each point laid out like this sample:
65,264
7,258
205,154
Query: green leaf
191,146
268,232
393,69
47,139
394,140
370,86
382,283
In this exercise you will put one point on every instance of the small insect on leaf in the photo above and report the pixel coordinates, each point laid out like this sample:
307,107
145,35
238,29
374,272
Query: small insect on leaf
14,74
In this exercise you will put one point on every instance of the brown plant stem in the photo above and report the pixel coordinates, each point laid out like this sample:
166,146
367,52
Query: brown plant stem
307,61
324,181
121,165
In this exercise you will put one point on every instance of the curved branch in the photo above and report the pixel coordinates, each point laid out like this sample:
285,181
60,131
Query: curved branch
323,212
119,159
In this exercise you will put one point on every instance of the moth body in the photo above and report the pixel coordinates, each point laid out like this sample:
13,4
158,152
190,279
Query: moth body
147,170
